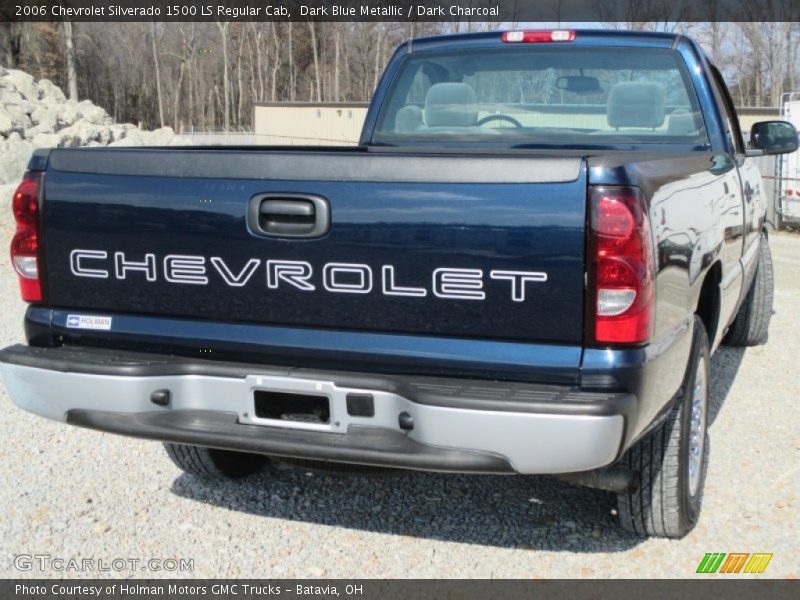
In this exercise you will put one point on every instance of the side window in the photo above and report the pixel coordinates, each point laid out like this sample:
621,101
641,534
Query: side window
732,129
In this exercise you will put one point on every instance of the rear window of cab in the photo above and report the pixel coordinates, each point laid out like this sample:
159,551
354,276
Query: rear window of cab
543,95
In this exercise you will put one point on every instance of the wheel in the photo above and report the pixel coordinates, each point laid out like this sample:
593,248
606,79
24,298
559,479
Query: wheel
672,460
212,463
751,325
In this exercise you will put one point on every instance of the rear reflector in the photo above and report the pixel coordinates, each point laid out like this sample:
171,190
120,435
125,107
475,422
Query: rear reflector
26,267
611,303
621,267
25,243
537,37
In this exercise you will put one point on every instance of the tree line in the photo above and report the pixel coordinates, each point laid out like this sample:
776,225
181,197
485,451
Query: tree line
208,75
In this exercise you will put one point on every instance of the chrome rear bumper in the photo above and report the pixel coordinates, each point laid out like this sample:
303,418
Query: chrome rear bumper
457,425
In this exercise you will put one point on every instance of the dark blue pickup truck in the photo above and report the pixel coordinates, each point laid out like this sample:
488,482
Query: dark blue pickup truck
522,268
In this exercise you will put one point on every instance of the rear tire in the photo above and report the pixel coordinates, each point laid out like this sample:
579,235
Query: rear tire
212,463
751,326
673,459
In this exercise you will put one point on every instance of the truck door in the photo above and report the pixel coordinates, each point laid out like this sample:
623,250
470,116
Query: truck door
746,209
754,205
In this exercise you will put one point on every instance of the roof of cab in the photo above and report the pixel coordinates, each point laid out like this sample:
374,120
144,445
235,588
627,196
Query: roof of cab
583,37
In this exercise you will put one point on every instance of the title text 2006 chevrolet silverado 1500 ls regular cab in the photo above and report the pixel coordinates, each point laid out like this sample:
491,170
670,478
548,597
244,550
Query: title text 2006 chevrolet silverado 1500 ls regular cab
523,268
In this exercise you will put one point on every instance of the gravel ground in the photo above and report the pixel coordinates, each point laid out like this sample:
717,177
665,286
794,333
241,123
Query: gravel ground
81,494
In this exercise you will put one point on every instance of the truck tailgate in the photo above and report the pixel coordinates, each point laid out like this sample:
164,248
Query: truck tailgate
447,245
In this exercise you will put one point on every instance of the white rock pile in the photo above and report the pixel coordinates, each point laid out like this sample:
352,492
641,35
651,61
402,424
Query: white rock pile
36,114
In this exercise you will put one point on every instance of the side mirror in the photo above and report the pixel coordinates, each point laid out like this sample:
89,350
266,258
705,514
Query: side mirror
774,137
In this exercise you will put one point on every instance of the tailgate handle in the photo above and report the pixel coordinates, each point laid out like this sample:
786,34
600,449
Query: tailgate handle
289,215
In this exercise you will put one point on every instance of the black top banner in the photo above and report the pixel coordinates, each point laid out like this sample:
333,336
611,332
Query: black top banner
505,11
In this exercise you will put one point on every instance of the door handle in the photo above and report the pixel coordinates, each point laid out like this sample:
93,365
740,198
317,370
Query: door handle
748,192
289,215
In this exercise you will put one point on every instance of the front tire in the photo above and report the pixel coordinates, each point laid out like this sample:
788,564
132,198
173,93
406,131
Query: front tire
751,326
673,459
212,463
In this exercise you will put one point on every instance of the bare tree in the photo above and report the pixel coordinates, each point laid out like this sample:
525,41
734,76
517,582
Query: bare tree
226,108
275,64
378,55
257,33
336,42
159,95
313,28
72,73
12,42
292,82
185,58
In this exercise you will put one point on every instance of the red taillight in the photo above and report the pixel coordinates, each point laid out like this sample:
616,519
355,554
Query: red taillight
25,243
621,266
537,37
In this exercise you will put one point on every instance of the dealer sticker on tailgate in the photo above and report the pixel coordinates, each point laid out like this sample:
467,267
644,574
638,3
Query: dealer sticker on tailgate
88,322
